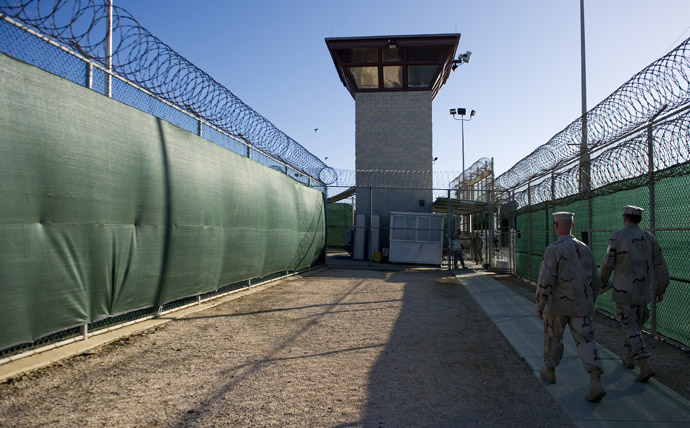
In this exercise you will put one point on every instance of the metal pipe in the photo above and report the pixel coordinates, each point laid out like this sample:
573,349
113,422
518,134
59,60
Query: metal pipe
652,219
371,220
513,235
553,204
89,75
585,166
583,77
529,229
450,232
490,195
108,47
462,122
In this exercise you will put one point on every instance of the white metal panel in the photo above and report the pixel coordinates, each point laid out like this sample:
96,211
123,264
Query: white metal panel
416,238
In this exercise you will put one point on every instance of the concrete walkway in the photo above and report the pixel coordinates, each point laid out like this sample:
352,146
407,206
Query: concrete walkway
628,403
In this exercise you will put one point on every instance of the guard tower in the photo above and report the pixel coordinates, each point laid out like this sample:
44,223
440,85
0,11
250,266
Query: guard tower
393,80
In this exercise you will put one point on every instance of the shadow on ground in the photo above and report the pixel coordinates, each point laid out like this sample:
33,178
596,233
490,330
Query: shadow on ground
446,364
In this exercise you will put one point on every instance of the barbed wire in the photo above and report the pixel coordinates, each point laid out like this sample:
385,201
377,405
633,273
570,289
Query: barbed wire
478,170
616,166
394,178
412,179
140,57
663,86
409,179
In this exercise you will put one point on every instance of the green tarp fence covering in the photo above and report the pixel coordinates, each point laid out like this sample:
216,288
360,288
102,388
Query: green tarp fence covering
672,208
338,220
105,209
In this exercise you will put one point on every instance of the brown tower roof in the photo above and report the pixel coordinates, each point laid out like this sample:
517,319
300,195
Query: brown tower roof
394,63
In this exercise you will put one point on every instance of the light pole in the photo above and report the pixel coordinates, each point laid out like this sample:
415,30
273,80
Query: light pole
462,112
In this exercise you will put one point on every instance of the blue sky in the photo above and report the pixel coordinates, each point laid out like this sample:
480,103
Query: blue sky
523,79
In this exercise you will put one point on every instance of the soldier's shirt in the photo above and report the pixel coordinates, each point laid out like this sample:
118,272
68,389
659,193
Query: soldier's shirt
455,244
477,243
568,279
634,256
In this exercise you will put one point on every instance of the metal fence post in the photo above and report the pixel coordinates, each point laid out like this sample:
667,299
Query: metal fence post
489,228
492,229
89,75
652,219
553,206
499,231
529,228
512,228
590,238
371,220
450,252
108,47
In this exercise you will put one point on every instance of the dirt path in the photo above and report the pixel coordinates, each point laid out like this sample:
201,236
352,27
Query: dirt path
339,348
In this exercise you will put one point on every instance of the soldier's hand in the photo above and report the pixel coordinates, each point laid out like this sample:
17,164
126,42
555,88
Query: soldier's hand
606,288
540,315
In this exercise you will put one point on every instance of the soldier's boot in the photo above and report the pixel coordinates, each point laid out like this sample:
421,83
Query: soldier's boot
646,371
596,390
628,360
548,374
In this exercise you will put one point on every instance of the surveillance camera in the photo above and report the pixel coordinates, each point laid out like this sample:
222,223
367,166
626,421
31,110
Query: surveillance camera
466,57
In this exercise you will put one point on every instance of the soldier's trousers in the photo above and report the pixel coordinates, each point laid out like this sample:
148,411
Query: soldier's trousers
478,257
456,256
582,330
632,318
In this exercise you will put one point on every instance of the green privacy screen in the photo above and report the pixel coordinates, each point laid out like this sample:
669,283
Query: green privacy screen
339,221
105,209
672,214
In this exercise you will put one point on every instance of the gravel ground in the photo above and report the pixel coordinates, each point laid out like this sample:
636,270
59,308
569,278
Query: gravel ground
671,363
338,348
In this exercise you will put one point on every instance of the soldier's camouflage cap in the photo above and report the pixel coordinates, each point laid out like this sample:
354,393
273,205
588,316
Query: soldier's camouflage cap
563,215
632,210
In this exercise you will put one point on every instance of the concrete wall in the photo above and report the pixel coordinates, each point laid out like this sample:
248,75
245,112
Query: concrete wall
393,132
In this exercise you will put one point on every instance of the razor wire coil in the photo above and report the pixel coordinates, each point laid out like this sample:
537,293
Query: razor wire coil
413,179
617,165
663,86
141,58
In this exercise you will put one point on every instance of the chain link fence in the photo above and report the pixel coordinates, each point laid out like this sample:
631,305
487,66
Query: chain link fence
101,46
636,151
463,202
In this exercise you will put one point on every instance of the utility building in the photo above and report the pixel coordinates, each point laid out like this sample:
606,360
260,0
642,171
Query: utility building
393,80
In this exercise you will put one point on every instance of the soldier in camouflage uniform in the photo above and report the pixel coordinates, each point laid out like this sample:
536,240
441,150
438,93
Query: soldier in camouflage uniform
635,256
477,245
566,290
456,251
